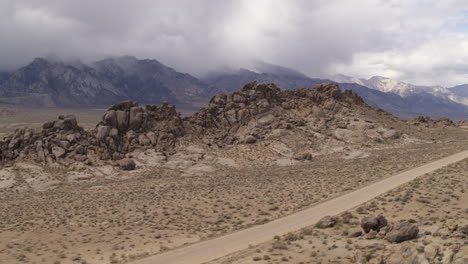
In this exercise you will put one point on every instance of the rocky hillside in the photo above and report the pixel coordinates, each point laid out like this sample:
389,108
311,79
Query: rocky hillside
54,83
302,119
149,81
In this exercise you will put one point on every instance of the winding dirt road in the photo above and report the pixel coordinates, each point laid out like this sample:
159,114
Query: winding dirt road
218,247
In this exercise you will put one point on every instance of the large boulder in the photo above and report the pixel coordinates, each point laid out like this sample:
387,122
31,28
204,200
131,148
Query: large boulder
401,232
373,222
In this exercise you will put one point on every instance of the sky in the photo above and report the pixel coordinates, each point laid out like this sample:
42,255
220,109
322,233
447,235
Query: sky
423,42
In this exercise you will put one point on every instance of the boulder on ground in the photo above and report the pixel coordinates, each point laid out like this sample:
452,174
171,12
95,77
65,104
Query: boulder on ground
373,222
303,156
127,164
401,232
326,222
250,140
355,232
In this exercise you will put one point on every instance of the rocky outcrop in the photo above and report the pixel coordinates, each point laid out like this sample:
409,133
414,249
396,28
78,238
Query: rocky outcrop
262,111
126,126
229,110
60,140
255,113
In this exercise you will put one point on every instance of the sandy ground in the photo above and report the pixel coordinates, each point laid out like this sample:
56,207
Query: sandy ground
436,202
219,247
129,216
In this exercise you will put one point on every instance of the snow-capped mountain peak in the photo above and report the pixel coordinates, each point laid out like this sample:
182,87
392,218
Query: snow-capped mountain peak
403,89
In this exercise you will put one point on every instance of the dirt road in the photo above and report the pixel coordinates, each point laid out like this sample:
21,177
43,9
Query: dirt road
218,247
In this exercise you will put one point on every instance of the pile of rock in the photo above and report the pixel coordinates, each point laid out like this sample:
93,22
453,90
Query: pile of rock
229,110
60,140
259,110
256,112
126,126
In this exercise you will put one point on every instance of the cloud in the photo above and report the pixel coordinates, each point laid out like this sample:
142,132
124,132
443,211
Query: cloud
420,40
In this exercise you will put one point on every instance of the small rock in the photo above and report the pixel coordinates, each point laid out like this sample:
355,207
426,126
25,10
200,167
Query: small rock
356,232
127,164
58,152
326,222
303,156
250,140
372,234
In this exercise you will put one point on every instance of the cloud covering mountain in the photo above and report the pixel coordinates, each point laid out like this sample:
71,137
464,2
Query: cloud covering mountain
421,41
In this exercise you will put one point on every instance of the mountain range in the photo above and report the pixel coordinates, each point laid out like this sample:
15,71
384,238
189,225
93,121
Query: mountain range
54,83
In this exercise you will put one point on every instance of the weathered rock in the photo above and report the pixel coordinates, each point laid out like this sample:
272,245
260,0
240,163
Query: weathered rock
122,120
116,156
110,118
102,132
373,222
127,164
152,137
80,157
143,140
58,152
64,144
303,156
461,257
401,232
123,106
372,234
70,122
355,232
48,125
135,118
326,222
405,254
250,139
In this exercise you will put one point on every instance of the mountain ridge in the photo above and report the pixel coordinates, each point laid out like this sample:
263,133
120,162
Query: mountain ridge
54,83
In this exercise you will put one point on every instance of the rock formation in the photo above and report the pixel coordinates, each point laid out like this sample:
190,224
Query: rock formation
60,140
256,112
126,126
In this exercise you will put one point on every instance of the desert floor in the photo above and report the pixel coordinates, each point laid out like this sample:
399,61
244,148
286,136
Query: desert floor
436,202
128,216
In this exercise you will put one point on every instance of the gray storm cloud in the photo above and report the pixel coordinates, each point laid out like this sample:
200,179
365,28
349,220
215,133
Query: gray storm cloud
401,39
